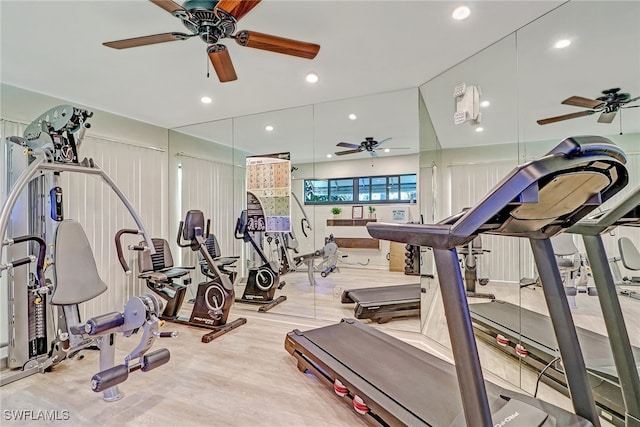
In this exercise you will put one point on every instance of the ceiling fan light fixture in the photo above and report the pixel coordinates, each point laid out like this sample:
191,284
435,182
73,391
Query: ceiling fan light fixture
461,13
269,128
352,116
206,100
312,78
561,44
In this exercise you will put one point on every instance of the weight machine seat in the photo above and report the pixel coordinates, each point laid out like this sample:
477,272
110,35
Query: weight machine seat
536,200
629,254
76,274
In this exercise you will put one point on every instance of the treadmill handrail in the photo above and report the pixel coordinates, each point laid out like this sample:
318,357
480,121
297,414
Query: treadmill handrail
613,217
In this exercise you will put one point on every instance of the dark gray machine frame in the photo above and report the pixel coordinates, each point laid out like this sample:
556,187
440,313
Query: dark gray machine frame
626,213
616,388
536,200
384,303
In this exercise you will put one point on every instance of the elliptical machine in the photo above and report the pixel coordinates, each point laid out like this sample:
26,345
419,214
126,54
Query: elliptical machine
213,299
264,279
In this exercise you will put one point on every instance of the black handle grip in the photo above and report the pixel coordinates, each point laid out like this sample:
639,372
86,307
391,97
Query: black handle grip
123,261
42,253
21,261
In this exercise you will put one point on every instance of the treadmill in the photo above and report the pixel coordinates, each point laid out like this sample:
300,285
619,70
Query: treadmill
384,303
396,384
528,335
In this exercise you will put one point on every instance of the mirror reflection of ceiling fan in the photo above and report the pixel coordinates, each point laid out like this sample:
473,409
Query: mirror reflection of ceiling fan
212,21
607,105
368,145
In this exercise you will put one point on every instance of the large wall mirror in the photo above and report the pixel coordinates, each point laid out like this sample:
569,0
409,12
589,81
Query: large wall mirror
524,78
379,182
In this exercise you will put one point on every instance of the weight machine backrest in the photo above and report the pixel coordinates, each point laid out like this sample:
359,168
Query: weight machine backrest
629,254
76,275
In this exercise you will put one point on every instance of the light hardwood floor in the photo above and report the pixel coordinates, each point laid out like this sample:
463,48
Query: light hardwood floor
244,378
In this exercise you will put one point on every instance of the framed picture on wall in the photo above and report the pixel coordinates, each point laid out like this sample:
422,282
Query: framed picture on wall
357,212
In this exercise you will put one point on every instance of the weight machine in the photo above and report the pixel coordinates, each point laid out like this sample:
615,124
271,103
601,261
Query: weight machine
51,144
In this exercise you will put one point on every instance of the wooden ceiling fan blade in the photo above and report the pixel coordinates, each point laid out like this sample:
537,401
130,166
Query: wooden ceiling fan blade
579,101
221,61
277,44
607,117
237,8
146,40
167,5
347,145
565,117
342,153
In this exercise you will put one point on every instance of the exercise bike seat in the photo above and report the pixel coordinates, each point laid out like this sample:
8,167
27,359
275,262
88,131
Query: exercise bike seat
223,263
158,269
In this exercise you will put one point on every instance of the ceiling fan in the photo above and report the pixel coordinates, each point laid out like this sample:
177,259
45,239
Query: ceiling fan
369,145
212,21
607,105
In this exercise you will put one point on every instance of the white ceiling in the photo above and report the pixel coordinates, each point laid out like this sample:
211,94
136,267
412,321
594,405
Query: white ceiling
54,47
525,78
309,133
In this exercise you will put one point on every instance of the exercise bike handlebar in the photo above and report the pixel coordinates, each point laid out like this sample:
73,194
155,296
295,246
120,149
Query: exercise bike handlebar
118,239
42,253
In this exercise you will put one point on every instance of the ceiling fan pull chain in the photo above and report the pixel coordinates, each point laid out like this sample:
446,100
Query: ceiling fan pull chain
207,61
620,116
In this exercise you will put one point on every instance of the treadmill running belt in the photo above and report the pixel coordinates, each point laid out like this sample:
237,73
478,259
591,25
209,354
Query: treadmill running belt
537,327
385,293
416,381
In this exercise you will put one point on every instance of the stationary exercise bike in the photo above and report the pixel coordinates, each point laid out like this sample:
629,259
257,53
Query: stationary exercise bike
264,279
213,299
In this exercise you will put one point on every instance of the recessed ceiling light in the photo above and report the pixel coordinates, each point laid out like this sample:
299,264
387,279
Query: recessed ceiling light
479,129
485,103
561,44
312,78
329,156
205,100
461,13
352,116
269,128
386,150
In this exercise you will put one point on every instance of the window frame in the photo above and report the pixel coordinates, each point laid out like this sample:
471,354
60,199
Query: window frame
397,187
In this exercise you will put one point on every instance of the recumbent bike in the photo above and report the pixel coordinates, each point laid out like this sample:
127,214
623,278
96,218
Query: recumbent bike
213,299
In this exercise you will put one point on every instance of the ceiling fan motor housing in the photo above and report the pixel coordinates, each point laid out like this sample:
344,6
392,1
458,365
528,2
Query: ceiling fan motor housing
209,23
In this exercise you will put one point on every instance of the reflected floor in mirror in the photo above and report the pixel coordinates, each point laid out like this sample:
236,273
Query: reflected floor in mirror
323,301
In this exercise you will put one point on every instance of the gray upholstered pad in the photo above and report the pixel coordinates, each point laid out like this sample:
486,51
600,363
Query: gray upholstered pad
629,254
76,274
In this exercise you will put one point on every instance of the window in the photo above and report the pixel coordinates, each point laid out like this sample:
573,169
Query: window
341,190
364,189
